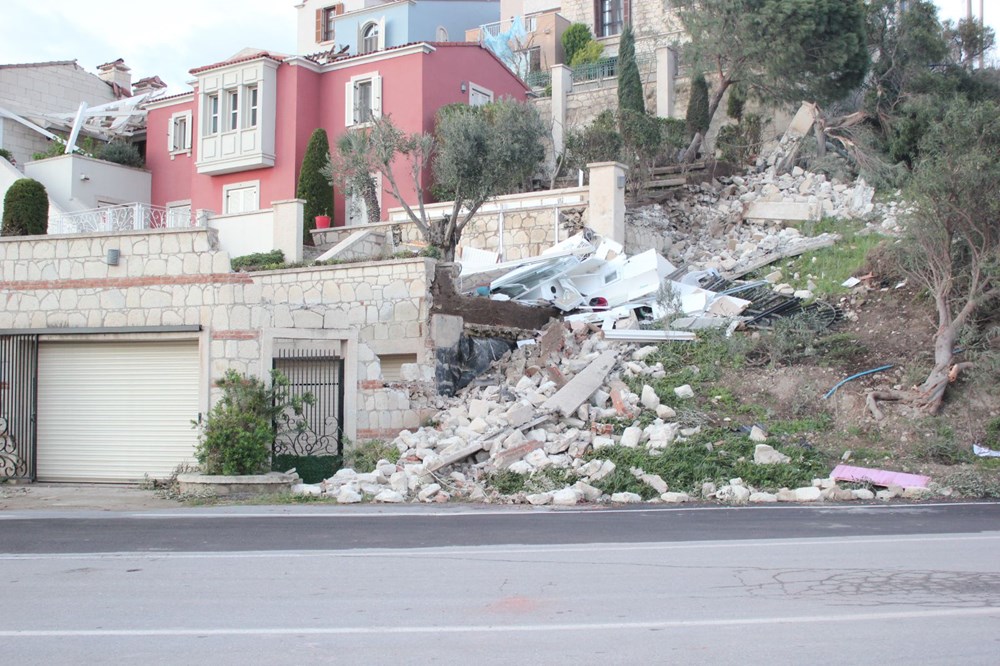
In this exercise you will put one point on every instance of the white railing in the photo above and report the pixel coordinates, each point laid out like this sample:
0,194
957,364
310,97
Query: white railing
127,217
494,29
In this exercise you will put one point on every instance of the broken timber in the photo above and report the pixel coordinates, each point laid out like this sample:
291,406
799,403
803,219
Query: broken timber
569,398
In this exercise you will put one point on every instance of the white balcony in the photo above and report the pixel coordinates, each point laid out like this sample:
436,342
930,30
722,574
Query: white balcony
127,217
497,27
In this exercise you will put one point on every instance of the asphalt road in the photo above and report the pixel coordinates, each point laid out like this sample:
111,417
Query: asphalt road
892,584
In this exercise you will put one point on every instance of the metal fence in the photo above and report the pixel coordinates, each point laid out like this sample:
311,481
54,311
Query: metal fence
18,393
127,217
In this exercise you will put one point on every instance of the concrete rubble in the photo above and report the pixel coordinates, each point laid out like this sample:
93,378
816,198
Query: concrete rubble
518,420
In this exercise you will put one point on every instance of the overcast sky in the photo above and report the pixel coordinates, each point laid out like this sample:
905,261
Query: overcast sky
168,38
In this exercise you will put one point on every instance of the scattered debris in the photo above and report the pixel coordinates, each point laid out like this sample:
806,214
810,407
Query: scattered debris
984,452
879,477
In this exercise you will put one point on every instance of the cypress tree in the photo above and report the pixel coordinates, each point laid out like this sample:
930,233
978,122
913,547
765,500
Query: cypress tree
313,185
629,84
25,209
697,111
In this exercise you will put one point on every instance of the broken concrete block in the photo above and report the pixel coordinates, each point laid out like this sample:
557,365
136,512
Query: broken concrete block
567,399
537,459
774,277
757,434
602,442
654,481
478,425
761,498
521,467
587,491
506,459
917,492
736,494
808,494
626,498
642,353
863,494
389,497
428,492
684,392
665,412
607,467
630,437
539,499
348,496
519,413
600,399
765,454
308,489
566,497
649,398
675,498
477,494
786,495
707,489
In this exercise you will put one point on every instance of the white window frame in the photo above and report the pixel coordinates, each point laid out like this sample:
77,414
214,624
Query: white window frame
251,105
212,113
475,89
183,146
379,42
232,111
249,186
352,113
328,30
441,34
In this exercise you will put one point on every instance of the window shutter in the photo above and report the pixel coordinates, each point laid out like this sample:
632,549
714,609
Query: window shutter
381,33
339,9
597,19
349,104
627,13
376,96
170,134
319,26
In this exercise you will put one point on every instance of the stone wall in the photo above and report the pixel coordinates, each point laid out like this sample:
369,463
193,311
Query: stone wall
178,278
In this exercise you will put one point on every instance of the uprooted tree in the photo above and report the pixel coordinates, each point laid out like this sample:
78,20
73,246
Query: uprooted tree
475,154
953,244
782,51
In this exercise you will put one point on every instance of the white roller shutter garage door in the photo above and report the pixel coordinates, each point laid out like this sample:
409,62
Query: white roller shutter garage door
115,411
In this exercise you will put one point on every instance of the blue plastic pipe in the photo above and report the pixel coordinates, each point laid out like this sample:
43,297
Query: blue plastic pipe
860,374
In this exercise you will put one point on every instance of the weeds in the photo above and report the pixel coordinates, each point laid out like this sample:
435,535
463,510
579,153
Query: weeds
363,456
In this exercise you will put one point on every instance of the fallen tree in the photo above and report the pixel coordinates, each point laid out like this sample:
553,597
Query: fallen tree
952,248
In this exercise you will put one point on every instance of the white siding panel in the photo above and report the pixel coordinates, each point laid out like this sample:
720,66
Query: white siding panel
115,411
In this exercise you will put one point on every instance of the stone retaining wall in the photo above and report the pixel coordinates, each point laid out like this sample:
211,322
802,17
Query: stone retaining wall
176,278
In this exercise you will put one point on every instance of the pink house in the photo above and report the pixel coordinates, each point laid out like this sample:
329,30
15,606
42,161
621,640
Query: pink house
235,143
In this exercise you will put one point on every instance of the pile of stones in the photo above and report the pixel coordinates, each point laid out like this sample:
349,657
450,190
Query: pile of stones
501,424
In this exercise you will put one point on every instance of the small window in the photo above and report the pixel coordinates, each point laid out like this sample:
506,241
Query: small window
369,38
392,365
610,17
212,122
478,96
363,101
329,22
233,110
442,34
251,100
240,198
180,132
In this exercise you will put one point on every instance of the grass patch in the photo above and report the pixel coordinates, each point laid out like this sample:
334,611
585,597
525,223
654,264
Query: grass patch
829,267
363,456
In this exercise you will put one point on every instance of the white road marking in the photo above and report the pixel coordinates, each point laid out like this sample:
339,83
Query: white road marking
514,628
491,551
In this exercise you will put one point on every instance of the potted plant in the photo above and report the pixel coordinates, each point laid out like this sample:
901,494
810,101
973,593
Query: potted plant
323,221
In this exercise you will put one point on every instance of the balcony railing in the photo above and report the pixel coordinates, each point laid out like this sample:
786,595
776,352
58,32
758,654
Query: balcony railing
497,27
127,217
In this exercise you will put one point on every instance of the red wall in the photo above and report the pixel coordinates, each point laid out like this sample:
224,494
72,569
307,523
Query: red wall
414,86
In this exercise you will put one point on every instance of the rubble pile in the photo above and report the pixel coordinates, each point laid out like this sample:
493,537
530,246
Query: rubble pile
726,224
542,407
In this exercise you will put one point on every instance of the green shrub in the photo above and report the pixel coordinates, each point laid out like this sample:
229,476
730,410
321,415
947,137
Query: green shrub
6,154
25,209
736,102
599,141
259,261
239,431
121,152
589,53
363,456
576,37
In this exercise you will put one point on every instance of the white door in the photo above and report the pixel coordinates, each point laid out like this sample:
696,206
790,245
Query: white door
115,411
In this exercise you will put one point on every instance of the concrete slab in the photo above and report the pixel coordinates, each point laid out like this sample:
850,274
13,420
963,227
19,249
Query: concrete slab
569,398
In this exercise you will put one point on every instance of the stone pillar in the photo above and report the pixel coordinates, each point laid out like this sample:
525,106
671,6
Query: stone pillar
288,227
607,200
562,85
666,73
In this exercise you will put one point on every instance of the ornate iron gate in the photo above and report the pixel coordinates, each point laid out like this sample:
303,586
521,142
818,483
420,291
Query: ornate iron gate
322,374
18,393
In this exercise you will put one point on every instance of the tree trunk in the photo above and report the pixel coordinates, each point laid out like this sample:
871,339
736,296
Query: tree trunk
820,140
931,392
692,152
370,194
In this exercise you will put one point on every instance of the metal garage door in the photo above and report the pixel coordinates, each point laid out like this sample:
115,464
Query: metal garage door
115,411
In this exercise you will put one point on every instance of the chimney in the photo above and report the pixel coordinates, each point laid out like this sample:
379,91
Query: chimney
147,85
118,75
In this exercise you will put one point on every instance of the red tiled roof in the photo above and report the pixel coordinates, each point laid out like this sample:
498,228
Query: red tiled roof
255,56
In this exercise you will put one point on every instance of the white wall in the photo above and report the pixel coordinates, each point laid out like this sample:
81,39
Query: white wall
75,182
245,233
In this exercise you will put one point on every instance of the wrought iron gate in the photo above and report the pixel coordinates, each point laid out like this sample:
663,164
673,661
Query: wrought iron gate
321,374
18,393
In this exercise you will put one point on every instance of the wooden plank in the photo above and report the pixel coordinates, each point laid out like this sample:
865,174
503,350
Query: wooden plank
569,398
668,182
